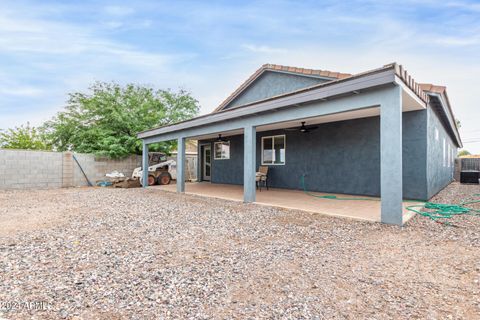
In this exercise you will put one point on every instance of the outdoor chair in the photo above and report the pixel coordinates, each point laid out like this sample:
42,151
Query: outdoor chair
261,177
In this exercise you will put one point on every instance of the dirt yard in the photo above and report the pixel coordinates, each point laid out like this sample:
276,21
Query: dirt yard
148,254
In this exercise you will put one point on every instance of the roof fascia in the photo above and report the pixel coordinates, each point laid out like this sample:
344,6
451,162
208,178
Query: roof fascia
448,112
406,88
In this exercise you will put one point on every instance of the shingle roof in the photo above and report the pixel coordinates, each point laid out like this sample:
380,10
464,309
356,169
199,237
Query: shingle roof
281,68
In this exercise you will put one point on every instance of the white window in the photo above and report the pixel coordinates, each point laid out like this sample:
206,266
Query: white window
449,155
444,153
436,134
273,150
222,150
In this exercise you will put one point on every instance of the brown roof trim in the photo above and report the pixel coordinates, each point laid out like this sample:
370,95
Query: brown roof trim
410,82
280,68
428,87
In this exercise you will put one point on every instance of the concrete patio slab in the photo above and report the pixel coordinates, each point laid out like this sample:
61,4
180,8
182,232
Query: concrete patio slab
295,199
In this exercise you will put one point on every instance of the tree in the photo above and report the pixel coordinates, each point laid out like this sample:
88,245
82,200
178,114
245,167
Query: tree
106,120
24,137
462,153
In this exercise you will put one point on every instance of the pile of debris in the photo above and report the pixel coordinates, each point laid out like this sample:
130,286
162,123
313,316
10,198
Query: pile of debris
118,180
160,171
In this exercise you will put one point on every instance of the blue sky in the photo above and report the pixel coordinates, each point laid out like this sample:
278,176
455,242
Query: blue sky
50,48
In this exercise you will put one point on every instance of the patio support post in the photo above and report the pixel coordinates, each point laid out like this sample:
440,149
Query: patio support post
181,165
391,184
249,163
145,164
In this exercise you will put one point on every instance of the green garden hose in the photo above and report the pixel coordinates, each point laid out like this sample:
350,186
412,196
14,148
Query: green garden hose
437,210
333,197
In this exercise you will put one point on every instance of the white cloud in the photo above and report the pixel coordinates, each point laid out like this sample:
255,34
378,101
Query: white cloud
458,41
113,24
262,48
464,5
24,91
120,11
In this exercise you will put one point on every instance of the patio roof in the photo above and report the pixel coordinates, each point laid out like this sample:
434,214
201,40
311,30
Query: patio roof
353,85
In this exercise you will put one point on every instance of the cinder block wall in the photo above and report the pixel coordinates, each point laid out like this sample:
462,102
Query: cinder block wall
96,168
21,169
25,169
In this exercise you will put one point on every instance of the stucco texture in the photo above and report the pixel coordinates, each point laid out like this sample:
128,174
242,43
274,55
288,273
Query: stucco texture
338,157
440,166
270,84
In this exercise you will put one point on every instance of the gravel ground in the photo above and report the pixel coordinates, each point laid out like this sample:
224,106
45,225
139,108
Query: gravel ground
146,254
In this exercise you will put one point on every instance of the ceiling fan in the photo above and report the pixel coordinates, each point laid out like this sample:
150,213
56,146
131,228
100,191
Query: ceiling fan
220,139
303,128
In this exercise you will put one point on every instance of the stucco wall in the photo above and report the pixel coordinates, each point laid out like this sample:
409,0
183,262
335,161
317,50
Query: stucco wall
338,157
440,166
270,84
414,151
24,169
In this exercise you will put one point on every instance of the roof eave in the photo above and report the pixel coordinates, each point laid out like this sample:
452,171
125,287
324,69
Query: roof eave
443,98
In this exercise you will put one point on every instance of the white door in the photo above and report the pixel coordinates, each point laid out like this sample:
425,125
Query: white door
207,163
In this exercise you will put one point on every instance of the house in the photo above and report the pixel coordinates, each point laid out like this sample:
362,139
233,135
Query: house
376,133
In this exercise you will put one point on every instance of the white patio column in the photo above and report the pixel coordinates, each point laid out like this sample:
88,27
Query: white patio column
249,163
391,157
145,164
181,165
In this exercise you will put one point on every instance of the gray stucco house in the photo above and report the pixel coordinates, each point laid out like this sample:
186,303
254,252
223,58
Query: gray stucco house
377,133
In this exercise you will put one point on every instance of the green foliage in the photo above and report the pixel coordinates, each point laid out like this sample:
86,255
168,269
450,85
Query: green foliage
24,137
462,153
106,120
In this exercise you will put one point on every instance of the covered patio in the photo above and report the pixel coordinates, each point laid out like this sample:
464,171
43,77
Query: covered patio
363,209
385,93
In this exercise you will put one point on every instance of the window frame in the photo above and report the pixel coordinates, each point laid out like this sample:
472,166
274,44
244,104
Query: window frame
449,148
444,153
273,145
215,150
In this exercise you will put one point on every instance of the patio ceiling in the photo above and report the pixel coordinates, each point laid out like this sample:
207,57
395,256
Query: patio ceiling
409,103
356,114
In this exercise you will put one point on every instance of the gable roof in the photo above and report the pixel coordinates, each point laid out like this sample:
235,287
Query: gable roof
441,103
315,73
